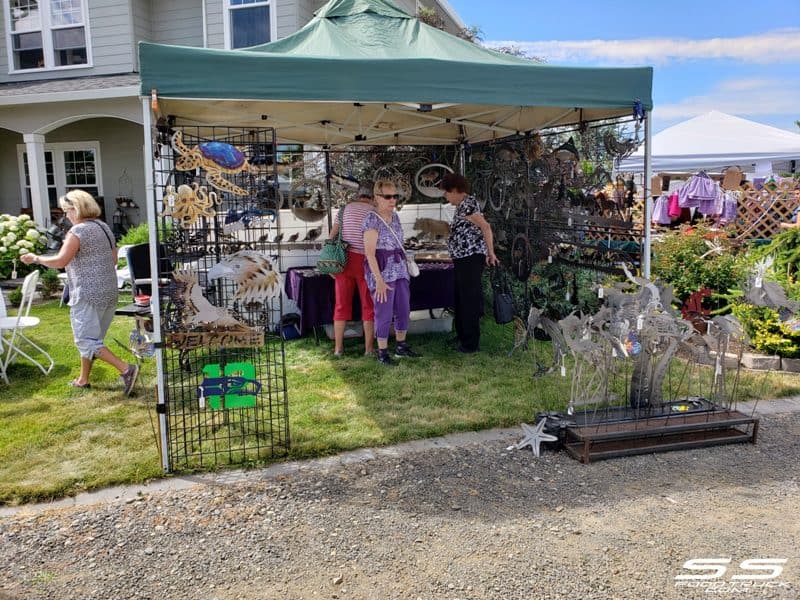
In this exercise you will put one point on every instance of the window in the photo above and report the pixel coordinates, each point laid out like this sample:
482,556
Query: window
52,193
248,23
46,34
67,166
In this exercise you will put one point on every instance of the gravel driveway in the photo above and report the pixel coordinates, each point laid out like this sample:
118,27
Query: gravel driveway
459,517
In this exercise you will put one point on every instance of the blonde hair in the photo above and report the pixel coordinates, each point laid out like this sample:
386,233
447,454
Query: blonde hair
382,183
84,204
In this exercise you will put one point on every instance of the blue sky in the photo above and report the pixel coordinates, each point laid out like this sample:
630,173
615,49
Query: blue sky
742,58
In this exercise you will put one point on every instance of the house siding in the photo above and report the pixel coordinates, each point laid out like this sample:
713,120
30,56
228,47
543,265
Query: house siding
288,17
305,12
141,11
178,22
10,195
216,33
110,38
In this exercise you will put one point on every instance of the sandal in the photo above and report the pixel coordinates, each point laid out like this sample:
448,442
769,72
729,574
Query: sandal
85,386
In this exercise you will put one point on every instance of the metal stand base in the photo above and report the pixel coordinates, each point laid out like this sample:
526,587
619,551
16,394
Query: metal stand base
658,430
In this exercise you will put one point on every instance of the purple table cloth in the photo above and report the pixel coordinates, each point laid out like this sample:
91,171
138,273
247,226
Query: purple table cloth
314,292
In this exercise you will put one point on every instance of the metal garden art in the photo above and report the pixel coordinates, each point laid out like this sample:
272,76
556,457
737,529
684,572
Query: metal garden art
189,203
619,360
254,274
215,158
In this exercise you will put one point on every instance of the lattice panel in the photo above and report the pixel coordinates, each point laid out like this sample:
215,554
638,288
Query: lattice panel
762,211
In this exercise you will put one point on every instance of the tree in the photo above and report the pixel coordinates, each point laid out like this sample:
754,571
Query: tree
431,17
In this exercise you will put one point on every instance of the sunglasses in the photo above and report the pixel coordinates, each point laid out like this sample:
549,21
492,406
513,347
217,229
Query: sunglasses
390,196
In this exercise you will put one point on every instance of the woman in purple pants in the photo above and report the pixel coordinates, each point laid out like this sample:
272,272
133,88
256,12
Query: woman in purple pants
386,272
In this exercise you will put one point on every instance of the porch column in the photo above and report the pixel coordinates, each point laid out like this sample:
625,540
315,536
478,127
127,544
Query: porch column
34,147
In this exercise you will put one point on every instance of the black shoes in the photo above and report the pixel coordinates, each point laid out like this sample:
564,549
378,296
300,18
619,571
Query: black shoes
384,358
463,350
403,350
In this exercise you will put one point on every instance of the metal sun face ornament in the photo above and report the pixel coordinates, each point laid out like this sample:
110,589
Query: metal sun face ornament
216,158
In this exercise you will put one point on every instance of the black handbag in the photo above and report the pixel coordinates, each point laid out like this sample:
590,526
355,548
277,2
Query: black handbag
502,300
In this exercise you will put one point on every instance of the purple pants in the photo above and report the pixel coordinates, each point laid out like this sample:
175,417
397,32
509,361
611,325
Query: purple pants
398,304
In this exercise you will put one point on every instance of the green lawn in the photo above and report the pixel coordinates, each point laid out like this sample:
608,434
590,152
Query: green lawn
57,441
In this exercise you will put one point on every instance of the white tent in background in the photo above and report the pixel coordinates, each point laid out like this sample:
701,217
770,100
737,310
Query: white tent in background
714,141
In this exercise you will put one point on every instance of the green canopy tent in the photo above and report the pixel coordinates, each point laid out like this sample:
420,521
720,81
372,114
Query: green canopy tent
365,72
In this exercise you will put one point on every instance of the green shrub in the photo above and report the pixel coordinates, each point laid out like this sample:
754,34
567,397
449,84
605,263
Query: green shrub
768,334
135,235
15,296
684,259
49,283
785,249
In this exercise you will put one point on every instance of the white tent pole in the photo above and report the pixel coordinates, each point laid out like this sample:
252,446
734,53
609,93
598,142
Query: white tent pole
648,200
155,303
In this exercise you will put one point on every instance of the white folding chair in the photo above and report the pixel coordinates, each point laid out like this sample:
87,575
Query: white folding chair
12,329
2,347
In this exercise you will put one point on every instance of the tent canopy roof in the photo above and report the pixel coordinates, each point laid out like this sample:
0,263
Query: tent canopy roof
716,140
363,71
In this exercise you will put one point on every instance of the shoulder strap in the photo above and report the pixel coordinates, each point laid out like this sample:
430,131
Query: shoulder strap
103,229
391,230
340,218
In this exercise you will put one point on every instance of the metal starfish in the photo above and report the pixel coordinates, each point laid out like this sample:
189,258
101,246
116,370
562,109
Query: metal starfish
535,436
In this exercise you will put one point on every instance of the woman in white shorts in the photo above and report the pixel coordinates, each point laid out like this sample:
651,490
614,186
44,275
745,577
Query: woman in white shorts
89,255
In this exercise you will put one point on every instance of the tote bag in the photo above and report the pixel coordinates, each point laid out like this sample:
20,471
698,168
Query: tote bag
333,256
502,300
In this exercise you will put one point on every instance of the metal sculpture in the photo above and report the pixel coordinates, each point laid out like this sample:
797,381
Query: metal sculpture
534,436
216,158
257,281
187,204
428,178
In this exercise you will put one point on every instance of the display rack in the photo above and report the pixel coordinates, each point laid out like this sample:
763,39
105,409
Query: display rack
224,382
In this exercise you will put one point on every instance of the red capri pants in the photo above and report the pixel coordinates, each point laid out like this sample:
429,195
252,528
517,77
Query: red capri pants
346,283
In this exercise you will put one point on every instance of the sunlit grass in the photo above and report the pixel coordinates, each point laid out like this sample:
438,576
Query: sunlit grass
57,441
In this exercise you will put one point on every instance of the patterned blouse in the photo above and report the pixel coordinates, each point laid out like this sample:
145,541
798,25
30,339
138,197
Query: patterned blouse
389,250
91,273
466,238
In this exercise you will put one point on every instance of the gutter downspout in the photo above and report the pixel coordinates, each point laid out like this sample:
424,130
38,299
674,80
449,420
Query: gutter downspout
205,24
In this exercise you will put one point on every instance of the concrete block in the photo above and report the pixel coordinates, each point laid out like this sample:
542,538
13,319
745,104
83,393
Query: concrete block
731,360
790,364
761,362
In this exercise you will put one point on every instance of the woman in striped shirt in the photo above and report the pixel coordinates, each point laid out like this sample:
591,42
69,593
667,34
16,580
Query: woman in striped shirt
352,278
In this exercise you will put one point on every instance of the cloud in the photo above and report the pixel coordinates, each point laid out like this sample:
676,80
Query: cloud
742,97
779,46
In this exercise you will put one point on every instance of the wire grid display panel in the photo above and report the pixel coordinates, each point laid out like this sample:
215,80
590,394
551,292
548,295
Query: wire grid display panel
224,379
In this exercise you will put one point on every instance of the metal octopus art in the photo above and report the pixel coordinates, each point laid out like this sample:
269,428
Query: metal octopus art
189,203
216,158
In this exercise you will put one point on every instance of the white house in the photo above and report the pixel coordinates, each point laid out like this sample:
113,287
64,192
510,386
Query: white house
70,112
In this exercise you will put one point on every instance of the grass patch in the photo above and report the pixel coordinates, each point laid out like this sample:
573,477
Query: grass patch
57,441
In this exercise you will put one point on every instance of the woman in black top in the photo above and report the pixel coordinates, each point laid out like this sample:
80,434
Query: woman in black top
471,246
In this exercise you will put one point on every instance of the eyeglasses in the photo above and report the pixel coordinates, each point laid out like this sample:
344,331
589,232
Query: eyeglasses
390,196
